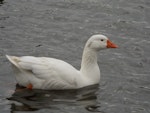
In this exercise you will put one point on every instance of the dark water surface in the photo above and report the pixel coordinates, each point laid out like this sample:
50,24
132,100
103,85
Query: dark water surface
60,28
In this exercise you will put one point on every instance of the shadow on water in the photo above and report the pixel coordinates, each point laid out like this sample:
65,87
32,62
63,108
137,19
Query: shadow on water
1,2
32,100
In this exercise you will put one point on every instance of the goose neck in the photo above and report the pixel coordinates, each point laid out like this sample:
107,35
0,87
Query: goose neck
89,58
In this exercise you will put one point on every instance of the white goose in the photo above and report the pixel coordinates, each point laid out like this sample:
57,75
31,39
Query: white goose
51,73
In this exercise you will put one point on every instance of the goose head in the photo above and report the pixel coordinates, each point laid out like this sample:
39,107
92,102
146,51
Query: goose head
98,42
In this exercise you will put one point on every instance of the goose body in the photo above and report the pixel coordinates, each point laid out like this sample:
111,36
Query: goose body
50,73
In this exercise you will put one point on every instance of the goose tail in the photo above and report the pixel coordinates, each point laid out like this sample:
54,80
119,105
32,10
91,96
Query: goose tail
14,60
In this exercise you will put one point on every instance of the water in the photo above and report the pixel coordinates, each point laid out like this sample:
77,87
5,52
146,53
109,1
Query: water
60,29
59,101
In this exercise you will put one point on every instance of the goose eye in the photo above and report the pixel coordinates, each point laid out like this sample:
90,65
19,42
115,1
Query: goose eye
102,39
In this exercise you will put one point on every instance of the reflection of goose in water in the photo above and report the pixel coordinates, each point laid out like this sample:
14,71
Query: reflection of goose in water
55,100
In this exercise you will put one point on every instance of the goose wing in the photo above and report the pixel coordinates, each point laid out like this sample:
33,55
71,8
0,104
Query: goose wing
54,73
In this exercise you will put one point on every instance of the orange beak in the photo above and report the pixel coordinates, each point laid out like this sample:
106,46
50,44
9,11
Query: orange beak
111,44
